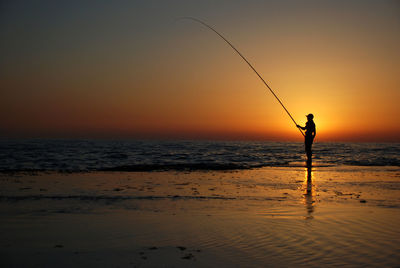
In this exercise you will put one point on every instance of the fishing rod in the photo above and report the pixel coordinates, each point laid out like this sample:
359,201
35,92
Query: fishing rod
251,66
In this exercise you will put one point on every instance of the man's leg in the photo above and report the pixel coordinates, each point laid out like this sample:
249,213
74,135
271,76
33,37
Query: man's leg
309,158
309,153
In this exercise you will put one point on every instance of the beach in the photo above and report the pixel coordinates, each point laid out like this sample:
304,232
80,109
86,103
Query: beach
270,216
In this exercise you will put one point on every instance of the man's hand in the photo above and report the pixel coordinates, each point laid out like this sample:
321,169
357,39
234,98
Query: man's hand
298,126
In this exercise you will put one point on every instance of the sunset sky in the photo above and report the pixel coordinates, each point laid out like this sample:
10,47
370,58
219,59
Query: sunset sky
128,69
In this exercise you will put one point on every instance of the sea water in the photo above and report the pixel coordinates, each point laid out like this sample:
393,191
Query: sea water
134,155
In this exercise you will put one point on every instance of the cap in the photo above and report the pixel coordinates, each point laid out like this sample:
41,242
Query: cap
310,116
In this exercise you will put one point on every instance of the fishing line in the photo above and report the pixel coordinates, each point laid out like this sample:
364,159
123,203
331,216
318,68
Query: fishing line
251,66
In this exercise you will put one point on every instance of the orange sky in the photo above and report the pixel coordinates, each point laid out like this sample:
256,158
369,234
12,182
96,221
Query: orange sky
129,70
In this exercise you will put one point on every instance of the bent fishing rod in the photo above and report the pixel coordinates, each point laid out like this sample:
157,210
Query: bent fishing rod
251,66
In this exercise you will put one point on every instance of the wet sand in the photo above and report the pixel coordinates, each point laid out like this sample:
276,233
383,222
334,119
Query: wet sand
253,218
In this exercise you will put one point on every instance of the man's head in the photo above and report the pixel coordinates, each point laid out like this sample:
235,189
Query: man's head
310,116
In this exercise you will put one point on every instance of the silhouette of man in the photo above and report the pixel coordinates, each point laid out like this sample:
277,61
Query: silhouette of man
309,137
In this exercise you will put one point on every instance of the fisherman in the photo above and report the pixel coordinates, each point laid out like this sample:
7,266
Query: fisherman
309,137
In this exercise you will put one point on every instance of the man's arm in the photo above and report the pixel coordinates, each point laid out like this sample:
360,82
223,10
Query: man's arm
303,128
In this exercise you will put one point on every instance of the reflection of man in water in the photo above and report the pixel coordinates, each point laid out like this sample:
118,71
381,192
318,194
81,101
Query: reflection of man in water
309,198
309,137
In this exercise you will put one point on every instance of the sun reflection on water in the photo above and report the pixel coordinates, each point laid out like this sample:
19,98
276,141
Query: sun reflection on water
309,198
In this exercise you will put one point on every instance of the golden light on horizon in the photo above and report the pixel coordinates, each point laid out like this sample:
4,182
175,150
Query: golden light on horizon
181,79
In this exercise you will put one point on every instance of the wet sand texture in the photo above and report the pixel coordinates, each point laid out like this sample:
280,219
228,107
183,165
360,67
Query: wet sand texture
251,218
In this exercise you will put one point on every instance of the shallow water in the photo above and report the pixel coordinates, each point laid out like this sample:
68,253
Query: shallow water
349,236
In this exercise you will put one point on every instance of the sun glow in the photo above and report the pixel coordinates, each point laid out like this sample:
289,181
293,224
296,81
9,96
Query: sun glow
142,77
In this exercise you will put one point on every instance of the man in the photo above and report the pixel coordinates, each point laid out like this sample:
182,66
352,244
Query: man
309,137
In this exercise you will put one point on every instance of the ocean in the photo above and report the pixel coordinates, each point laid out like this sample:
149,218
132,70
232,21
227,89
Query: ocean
134,155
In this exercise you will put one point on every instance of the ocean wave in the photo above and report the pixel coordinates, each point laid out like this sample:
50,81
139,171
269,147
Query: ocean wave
90,155
107,197
181,167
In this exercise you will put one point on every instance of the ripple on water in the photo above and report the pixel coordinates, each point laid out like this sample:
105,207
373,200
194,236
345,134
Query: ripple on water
354,236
